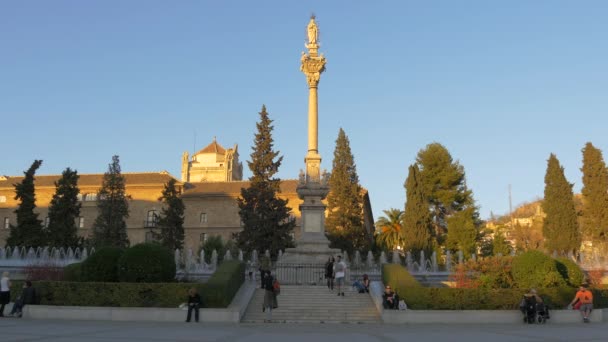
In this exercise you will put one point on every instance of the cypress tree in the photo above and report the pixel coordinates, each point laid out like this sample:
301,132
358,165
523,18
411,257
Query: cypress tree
444,184
344,222
595,195
267,220
64,210
110,228
417,220
560,226
171,222
28,231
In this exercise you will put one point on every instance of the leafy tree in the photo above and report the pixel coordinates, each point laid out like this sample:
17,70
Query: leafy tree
267,220
28,231
500,245
444,184
344,222
171,222
560,226
64,210
528,238
417,220
594,219
110,228
462,231
389,229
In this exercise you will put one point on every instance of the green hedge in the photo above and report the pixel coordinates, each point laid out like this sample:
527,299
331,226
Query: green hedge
102,265
534,269
216,293
146,263
424,298
73,272
398,278
225,282
571,272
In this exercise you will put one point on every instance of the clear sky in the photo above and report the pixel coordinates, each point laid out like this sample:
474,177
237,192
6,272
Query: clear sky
500,83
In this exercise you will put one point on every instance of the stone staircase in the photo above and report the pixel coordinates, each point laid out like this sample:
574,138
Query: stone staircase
314,304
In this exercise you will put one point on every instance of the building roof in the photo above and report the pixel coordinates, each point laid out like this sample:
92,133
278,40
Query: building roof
131,179
214,147
217,188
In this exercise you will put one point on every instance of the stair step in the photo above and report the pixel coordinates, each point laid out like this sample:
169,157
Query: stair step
314,304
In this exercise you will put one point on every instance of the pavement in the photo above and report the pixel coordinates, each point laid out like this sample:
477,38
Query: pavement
13,329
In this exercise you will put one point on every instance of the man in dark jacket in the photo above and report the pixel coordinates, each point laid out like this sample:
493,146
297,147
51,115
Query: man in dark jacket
194,303
28,296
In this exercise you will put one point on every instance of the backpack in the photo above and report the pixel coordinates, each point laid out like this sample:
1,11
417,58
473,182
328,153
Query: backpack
276,287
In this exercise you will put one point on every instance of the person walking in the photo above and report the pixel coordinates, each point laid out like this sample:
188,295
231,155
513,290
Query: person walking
194,303
270,299
340,272
5,292
585,297
329,273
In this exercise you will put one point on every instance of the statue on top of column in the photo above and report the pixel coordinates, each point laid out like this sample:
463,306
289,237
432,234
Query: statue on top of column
313,31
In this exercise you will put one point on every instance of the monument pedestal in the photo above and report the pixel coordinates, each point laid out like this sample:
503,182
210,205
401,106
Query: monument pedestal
313,245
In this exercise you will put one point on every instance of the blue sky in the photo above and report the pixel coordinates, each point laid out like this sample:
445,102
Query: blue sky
500,83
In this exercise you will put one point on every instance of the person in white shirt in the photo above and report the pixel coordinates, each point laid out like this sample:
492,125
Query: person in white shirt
340,271
5,292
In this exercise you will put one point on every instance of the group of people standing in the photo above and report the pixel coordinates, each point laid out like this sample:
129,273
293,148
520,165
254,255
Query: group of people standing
335,270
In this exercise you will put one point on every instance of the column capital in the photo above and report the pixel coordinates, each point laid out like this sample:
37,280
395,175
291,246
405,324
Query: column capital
312,67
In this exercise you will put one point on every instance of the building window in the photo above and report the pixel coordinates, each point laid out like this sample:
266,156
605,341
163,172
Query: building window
203,217
151,219
2,199
7,223
81,222
203,237
150,237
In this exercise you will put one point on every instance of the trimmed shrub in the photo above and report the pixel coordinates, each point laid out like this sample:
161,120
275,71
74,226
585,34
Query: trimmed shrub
102,265
217,293
570,271
224,283
487,299
534,269
399,278
73,272
146,263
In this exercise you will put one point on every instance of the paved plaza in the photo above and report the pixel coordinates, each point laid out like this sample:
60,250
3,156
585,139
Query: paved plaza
55,330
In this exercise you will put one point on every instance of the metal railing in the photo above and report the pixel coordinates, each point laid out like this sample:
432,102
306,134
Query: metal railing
300,274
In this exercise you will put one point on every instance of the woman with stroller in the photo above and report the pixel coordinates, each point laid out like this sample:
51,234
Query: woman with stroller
533,308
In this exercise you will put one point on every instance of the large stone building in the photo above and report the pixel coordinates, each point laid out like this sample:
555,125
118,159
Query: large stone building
214,175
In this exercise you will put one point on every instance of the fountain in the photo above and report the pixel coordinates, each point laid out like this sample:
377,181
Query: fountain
240,255
396,259
357,260
369,261
422,264
448,261
434,265
214,259
382,258
228,255
409,263
460,257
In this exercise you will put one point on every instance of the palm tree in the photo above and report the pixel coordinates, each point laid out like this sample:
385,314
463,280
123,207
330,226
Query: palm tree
389,229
